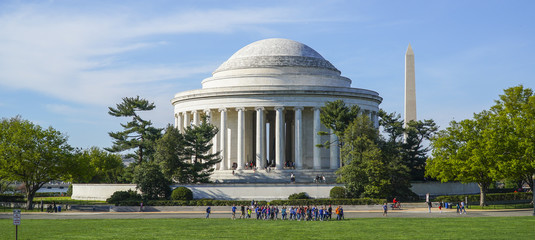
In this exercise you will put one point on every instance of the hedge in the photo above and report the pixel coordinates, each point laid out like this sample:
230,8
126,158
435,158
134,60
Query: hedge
329,201
295,202
11,198
200,202
490,197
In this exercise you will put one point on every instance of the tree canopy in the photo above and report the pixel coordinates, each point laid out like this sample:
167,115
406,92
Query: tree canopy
496,144
33,155
372,168
186,157
138,134
460,153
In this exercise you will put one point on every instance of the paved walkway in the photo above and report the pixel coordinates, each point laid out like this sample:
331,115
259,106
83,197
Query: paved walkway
406,213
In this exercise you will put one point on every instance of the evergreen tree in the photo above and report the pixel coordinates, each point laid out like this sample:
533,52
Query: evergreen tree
372,168
151,182
187,157
138,134
170,155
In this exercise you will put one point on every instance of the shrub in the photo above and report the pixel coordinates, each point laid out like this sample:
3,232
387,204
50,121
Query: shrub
11,198
120,198
69,191
301,195
329,201
182,193
490,197
338,192
151,182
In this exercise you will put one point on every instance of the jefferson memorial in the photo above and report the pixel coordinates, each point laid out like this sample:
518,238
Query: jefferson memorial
265,100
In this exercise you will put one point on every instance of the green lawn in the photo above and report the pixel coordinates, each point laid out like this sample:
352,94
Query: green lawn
370,228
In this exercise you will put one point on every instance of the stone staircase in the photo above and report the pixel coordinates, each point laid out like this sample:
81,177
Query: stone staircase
272,176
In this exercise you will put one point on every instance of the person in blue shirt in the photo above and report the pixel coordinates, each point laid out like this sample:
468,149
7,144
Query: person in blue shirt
234,212
208,210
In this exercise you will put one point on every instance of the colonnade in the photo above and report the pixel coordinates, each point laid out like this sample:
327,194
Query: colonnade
282,131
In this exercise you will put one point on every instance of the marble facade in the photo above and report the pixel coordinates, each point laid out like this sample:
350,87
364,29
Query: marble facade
265,100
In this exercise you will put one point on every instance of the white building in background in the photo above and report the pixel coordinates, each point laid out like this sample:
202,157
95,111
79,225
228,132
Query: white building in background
265,100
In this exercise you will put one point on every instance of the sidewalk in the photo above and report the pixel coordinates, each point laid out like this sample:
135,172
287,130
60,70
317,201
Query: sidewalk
224,212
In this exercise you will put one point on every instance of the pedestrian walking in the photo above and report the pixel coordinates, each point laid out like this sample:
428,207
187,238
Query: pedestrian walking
234,212
208,210
385,209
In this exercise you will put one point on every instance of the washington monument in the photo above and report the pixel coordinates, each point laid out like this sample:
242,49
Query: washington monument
410,88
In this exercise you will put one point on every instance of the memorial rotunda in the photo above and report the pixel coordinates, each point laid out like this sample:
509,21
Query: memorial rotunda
265,100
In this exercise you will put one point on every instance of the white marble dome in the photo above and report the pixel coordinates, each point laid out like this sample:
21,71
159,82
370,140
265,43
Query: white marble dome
276,61
275,52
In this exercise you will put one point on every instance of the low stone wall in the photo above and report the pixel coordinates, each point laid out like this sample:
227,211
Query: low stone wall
212,191
99,192
447,188
261,191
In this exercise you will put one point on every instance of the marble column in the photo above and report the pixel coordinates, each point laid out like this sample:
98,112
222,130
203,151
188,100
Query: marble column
223,142
317,140
208,115
260,138
279,137
298,137
187,120
179,122
335,151
196,118
241,138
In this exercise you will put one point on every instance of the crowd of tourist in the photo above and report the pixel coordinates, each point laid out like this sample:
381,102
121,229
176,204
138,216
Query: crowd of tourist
294,213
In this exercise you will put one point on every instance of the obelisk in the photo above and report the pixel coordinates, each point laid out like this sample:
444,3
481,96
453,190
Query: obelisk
410,88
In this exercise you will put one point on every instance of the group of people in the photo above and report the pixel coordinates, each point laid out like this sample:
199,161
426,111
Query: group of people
296,213
319,179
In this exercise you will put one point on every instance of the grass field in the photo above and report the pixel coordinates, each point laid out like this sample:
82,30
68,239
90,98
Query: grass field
369,228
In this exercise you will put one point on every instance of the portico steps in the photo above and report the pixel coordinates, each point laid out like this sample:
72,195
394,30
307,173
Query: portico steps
272,176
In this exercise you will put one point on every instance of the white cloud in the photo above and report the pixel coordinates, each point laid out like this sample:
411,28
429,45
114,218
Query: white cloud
75,56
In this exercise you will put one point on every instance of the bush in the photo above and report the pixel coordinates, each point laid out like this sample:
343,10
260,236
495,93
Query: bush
301,195
490,197
182,193
11,198
69,191
151,182
338,192
201,202
329,201
124,198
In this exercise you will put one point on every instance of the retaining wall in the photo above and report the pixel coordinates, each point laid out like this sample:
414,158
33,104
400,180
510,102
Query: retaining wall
261,191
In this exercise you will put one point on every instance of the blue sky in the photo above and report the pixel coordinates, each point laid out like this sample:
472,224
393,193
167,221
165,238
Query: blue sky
62,63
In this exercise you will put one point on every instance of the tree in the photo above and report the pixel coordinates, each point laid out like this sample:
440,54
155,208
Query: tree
138,134
414,153
460,153
151,182
32,155
104,167
412,150
170,154
370,169
186,157
5,186
198,144
512,134
337,116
